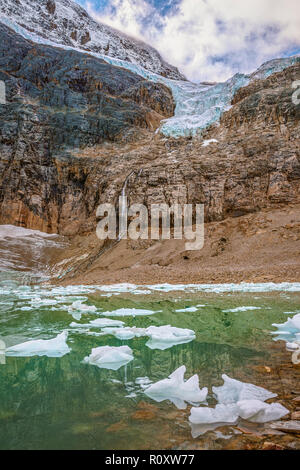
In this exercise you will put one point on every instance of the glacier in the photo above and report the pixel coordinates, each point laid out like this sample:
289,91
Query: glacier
197,105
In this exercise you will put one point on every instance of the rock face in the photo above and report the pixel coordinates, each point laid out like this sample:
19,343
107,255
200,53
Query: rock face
65,22
59,100
76,128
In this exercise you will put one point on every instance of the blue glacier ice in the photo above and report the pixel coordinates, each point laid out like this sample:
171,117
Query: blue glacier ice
197,105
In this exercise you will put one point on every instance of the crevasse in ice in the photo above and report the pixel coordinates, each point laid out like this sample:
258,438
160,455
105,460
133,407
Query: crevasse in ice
177,390
56,347
197,105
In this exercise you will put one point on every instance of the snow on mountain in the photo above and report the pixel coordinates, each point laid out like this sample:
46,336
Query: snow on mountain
65,22
197,105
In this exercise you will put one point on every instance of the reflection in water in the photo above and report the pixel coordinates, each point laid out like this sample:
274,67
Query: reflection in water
63,403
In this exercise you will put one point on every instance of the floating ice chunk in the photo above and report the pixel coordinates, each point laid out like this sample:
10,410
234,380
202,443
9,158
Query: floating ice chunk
257,411
161,337
292,346
99,323
78,308
132,312
289,330
56,347
187,309
177,390
164,337
241,309
208,142
219,415
110,357
233,391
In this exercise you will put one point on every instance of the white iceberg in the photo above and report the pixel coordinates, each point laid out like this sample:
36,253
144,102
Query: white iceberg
164,337
289,330
161,337
177,390
78,308
125,333
257,411
56,347
221,414
99,323
110,357
233,391
130,312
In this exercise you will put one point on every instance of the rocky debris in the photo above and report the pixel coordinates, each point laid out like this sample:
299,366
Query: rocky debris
67,23
287,426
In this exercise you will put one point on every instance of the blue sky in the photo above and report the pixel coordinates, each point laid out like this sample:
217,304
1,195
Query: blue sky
207,39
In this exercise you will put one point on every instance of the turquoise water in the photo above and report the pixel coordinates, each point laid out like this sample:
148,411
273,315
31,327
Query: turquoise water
62,403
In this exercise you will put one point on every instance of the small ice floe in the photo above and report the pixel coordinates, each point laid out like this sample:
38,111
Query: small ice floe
177,390
160,337
130,312
125,333
257,411
110,357
78,308
187,310
289,330
98,323
233,391
208,142
241,309
56,347
164,337
221,414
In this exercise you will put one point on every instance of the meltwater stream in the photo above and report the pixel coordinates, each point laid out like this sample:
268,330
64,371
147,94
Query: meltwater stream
55,395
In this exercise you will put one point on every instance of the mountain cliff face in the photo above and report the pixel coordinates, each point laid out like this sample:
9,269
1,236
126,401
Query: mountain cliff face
75,128
65,22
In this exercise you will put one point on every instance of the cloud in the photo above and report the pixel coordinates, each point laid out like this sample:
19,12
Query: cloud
210,39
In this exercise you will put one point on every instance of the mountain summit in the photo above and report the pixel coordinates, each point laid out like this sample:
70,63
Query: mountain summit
67,23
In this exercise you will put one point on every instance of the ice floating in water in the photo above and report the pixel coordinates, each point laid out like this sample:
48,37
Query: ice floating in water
219,415
289,330
241,309
99,323
56,347
129,312
233,391
78,308
164,337
257,411
177,390
187,309
160,337
110,357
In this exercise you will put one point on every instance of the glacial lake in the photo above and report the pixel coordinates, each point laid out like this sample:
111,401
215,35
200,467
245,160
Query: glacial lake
64,403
